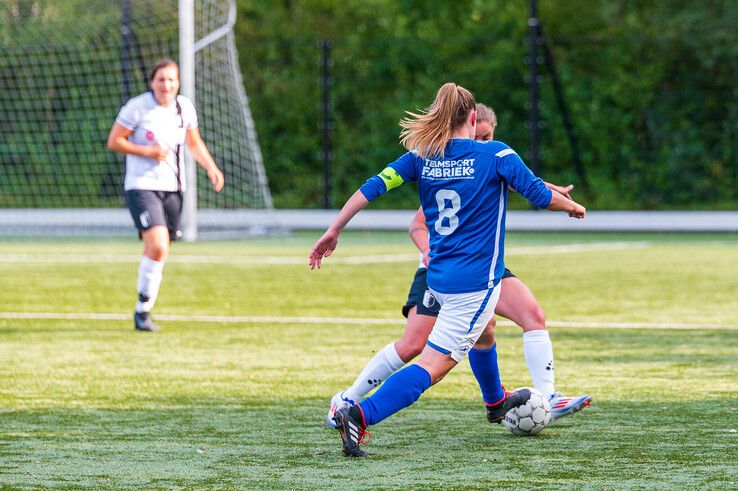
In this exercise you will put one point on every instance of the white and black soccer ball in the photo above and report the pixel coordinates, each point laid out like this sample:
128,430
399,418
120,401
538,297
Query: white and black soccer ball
530,418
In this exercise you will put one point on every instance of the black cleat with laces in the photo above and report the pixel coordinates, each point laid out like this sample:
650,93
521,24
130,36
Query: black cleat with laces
143,321
496,412
352,427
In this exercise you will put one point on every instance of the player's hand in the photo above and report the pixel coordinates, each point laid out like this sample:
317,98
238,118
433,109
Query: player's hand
426,259
324,247
561,189
216,177
578,212
155,152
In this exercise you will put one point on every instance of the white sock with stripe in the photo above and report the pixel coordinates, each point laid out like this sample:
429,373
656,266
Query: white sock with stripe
539,357
149,280
382,365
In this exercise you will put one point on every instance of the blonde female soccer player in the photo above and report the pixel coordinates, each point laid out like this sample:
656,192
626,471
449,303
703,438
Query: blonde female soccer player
150,130
463,187
516,303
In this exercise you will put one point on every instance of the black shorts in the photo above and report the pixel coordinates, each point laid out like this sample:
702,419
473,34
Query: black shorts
420,296
152,208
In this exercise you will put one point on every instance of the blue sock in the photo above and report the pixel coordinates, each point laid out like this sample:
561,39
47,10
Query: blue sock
484,365
397,392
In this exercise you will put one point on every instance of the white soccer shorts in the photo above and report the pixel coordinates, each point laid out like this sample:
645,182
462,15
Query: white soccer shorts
462,320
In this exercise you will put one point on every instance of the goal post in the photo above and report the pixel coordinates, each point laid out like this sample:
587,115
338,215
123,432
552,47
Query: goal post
187,89
67,68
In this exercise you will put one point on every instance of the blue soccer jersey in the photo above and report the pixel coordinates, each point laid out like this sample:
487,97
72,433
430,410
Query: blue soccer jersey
464,199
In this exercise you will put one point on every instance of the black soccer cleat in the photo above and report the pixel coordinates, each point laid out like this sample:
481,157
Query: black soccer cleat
352,427
143,321
517,398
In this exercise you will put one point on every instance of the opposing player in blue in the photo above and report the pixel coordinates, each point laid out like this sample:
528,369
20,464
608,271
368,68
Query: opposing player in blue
463,186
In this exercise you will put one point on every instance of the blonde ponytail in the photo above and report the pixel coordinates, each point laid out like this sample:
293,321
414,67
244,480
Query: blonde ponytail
429,131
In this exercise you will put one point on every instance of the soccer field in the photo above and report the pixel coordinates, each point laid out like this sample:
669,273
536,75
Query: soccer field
233,392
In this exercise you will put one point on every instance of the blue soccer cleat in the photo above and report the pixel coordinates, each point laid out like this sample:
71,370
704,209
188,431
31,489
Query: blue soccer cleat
562,405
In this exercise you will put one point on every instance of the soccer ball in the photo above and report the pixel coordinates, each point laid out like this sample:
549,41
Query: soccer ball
530,418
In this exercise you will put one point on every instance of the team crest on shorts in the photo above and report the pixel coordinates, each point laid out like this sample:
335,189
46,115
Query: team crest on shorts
145,219
428,299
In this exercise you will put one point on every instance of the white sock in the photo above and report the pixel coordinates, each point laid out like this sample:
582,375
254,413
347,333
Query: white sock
149,279
382,365
540,360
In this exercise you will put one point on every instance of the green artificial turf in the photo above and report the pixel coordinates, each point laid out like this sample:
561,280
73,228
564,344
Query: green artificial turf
239,405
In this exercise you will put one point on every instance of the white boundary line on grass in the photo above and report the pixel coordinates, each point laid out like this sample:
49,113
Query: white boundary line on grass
292,260
246,319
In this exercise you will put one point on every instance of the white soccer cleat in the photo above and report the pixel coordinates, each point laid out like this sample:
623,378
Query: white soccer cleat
562,405
338,402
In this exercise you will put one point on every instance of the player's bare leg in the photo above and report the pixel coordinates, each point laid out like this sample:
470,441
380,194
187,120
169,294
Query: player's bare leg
385,362
518,304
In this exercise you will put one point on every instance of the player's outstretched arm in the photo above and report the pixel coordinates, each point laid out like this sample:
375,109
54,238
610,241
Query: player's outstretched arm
559,202
325,246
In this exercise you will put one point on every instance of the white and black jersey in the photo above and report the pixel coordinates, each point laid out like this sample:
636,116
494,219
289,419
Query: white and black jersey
154,124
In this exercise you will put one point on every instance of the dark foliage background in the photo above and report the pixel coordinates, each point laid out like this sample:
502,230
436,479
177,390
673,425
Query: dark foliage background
650,85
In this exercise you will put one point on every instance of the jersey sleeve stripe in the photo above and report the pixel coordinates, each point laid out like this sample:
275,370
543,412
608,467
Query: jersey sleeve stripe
505,152
500,214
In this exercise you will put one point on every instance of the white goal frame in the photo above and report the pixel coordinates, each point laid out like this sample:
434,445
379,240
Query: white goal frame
188,48
187,89
204,42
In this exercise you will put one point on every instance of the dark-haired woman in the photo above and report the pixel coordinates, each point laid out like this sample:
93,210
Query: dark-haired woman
150,131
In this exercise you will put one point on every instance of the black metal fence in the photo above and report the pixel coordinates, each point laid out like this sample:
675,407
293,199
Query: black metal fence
623,118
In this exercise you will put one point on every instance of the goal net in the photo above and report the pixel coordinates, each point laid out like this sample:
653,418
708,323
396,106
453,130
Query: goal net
66,69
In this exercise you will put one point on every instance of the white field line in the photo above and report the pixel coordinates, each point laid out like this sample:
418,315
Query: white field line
245,319
228,260
299,260
569,248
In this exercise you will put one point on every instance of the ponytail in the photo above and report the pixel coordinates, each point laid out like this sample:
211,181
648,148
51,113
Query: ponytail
429,131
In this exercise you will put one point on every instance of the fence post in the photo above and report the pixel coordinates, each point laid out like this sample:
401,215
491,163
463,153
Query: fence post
126,43
563,108
327,125
534,121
